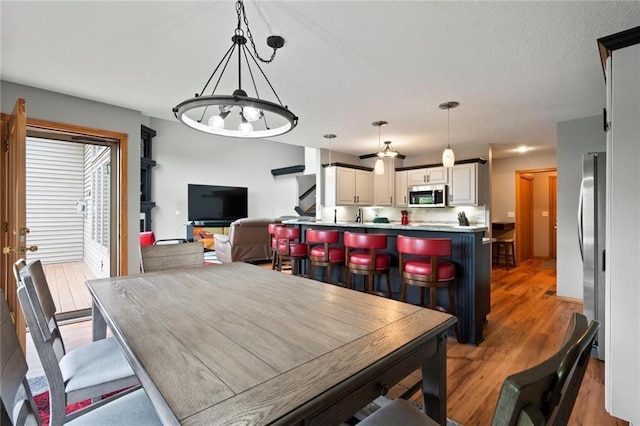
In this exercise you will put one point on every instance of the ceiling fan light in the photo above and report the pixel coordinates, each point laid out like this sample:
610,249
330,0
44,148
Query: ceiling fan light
379,167
448,157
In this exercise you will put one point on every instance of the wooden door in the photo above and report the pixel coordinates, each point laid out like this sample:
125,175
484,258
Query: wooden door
553,216
13,218
524,216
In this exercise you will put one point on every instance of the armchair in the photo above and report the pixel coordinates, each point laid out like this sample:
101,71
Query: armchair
248,240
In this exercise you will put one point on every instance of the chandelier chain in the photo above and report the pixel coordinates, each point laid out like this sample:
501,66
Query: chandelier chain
240,10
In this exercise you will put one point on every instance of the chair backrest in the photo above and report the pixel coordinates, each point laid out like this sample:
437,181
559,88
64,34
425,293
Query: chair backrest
546,393
365,241
13,371
319,236
290,233
168,256
38,308
424,246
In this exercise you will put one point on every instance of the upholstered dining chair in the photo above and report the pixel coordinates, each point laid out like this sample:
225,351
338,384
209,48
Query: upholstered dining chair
167,256
89,371
127,408
541,395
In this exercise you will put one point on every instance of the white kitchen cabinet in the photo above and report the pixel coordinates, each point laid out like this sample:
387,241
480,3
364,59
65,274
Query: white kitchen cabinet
383,185
428,175
463,185
402,189
348,187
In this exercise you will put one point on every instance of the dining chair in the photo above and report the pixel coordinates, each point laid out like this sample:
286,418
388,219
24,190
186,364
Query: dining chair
19,407
541,395
166,256
89,371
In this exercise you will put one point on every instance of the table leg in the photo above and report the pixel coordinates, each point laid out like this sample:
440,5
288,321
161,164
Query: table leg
99,324
434,382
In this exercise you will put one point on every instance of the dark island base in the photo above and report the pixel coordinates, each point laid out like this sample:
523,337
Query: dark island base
473,275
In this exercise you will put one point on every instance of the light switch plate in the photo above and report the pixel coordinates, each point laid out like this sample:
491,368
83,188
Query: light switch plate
511,214
545,214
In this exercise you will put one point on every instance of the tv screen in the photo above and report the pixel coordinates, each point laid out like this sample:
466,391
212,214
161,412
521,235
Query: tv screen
208,203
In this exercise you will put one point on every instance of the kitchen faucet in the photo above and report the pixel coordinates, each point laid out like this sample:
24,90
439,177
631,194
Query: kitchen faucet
359,216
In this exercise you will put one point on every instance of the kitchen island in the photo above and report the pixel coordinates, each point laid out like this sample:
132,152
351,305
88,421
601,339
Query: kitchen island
471,254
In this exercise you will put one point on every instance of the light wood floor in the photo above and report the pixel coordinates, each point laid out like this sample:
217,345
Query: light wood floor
526,325
67,285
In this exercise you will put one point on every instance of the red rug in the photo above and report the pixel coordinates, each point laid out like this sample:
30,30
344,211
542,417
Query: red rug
42,402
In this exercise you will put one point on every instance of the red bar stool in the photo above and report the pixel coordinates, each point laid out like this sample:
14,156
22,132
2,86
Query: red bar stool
324,255
362,257
289,247
420,265
274,244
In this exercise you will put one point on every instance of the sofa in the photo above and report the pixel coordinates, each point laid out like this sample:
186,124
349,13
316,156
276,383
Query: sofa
248,241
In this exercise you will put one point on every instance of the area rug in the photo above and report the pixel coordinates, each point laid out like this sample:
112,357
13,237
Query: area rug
42,402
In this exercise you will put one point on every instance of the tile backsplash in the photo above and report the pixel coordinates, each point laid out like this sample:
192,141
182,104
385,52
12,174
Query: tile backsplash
477,215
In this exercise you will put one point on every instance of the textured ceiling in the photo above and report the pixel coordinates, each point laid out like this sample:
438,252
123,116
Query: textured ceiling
517,68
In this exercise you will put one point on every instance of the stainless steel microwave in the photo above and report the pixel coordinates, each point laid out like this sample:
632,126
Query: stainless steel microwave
428,196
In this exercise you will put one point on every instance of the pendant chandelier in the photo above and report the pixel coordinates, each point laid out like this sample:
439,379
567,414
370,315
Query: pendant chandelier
448,157
239,115
379,166
330,136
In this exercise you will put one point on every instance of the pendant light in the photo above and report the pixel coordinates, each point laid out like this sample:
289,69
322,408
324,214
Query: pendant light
379,167
329,136
253,117
448,157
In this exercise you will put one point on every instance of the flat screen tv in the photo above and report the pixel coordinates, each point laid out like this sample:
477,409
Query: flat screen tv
212,203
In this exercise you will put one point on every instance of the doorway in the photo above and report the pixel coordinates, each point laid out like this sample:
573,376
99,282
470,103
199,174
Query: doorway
68,199
535,213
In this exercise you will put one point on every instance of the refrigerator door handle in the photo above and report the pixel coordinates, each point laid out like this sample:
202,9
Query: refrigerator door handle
580,236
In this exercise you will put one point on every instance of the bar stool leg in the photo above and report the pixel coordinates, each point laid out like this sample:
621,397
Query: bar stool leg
388,277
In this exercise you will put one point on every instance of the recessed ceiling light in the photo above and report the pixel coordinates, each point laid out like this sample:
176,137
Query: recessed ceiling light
522,149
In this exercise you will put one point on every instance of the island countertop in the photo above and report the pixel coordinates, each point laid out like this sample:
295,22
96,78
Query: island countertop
414,226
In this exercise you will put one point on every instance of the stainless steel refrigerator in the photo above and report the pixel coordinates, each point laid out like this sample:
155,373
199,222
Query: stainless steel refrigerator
591,237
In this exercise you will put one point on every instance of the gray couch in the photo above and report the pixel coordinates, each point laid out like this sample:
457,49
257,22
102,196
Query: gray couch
248,240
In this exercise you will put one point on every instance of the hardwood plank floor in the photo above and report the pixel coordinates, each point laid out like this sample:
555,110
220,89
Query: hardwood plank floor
526,325
67,285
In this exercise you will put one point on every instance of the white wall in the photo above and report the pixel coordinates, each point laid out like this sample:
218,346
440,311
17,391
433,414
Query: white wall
184,156
575,138
52,106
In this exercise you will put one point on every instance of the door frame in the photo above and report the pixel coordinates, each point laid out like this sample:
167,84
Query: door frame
553,215
518,233
119,146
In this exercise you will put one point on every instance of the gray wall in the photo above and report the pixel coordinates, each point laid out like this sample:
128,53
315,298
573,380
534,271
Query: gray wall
51,106
575,138
503,182
184,156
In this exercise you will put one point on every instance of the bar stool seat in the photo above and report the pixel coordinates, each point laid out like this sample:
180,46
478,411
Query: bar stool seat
363,257
421,265
320,252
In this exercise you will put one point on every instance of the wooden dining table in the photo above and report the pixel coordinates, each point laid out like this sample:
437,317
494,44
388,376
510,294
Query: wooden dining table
239,344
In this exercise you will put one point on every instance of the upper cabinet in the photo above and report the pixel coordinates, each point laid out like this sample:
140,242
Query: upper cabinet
463,185
430,175
348,186
383,185
402,188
